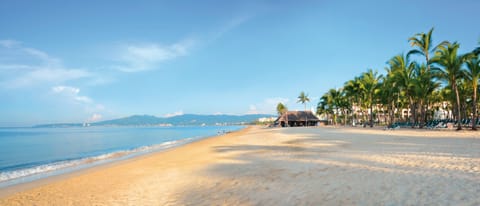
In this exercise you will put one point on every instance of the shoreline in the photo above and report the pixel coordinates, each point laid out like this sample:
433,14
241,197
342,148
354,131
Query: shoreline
282,166
81,169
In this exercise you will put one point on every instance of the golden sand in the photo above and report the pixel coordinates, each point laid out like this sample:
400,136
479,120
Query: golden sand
282,166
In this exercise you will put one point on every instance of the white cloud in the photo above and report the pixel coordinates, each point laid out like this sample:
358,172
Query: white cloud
66,89
42,56
141,57
8,43
177,113
252,109
22,66
74,98
41,75
72,93
267,106
95,117
230,25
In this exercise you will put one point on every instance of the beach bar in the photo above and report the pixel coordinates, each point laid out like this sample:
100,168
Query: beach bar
297,119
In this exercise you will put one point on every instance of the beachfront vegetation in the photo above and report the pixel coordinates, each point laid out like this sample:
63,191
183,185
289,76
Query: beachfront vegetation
281,109
411,92
303,98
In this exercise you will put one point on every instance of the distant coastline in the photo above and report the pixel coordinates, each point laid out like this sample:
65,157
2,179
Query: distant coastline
180,120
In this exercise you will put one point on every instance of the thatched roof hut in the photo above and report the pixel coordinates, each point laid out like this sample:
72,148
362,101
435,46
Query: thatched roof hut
297,118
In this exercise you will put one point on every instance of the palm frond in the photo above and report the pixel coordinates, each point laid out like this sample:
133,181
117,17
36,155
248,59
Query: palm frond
414,51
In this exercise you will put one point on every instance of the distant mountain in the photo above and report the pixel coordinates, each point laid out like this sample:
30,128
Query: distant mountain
59,125
133,120
180,120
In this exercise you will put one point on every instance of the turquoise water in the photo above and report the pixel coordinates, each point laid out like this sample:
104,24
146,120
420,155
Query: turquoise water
27,154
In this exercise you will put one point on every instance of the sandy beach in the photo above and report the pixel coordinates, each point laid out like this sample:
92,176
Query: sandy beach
281,166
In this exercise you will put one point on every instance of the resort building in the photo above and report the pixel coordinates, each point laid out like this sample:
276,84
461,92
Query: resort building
297,119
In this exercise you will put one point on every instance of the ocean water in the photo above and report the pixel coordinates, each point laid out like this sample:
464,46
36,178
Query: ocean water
27,154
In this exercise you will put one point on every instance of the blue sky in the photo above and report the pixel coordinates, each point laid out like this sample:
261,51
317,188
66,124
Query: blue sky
77,61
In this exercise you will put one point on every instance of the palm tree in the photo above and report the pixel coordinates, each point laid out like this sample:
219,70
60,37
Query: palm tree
334,101
451,70
303,98
343,104
370,82
404,74
352,89
389,93
423,87
473,75
423,42
281,108
323,106
477,50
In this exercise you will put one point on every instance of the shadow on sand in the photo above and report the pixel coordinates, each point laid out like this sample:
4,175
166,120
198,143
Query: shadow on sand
332,168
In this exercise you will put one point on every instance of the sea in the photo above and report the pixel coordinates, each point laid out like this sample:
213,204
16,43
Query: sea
28,154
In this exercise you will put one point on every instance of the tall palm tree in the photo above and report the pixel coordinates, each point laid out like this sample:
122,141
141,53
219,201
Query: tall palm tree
473,75
423,87
334,100
370,82
451,70
352,89
323,106
343,105
389,93
423,44
303,98
281,108
404,75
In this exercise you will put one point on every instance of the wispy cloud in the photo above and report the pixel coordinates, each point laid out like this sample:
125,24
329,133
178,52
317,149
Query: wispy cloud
177,113
8,43
73,97
230,25
267,106
95,117
22,66
149,56
72,93
142,57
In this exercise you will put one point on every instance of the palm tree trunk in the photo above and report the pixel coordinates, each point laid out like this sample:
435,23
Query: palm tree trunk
286,117
345,117
371,114
385,118
425,113
412,112
392,113
459,115
422,114
305,105
474,108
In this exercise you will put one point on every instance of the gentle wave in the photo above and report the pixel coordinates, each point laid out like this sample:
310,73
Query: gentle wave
65,164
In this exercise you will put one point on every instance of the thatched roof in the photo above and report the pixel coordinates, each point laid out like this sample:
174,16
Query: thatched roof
297,116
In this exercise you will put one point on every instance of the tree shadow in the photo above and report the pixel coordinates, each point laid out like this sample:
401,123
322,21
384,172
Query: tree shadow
334,169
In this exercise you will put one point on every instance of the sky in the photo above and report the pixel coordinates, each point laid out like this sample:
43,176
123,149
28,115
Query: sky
85,61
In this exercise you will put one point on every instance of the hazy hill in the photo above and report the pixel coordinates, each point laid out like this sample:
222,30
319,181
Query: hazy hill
186,119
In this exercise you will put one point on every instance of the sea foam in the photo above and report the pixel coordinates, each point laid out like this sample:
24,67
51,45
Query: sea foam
85,162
